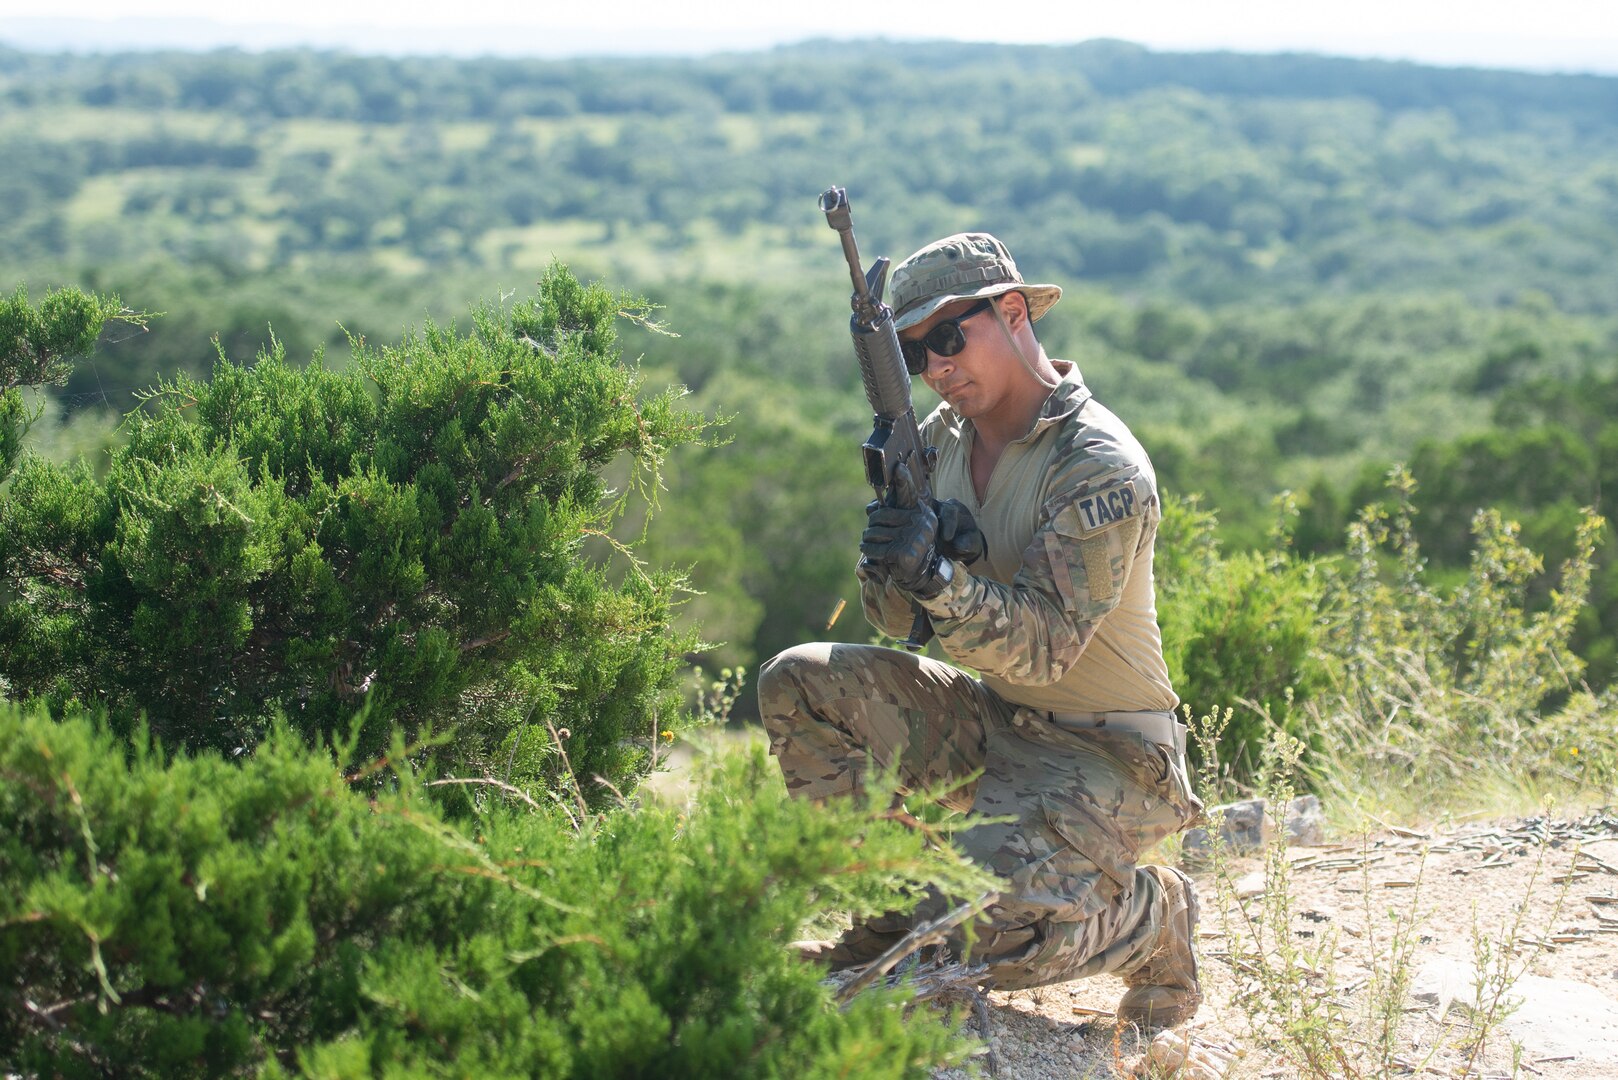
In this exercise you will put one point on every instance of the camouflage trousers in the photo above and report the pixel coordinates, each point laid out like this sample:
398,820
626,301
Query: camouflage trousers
1086,801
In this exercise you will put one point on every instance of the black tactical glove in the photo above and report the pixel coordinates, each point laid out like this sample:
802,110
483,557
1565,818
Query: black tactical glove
959,537
901,539
958,534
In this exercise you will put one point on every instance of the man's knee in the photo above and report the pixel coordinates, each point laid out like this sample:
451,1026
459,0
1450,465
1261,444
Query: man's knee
784,679
786,668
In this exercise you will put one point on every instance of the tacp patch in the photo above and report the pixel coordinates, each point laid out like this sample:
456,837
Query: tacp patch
1101,510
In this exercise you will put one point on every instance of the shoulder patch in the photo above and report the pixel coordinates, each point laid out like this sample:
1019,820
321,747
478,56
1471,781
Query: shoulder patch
1101,510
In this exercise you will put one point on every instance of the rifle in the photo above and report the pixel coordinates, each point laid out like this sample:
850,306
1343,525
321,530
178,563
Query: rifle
895,438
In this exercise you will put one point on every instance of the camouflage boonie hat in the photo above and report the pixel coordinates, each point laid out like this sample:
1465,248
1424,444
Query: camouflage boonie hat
965,266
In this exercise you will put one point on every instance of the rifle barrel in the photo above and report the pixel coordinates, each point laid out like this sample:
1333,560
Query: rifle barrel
839,215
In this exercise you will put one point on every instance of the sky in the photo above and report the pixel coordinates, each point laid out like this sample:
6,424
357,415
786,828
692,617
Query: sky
1543,35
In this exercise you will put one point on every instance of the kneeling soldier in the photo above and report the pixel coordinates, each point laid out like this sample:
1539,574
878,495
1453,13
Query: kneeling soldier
1071,718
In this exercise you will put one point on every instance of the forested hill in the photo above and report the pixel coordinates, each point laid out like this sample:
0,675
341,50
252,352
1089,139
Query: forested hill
1285,271
1215,176
492,87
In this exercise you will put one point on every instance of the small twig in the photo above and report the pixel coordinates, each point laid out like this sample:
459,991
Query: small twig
47,1013
922,936
1597,860
92,853
491,639
656,730
481,865
572,777
980,1011
490,782
612,787
636,564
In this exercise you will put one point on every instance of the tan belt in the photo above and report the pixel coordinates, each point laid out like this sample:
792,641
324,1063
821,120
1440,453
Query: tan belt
1163,728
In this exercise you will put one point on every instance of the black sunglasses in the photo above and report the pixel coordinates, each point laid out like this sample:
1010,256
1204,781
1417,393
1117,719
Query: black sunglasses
945,339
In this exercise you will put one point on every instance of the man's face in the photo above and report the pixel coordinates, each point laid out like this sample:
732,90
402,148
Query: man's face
977,378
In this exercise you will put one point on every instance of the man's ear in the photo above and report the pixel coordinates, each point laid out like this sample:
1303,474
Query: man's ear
1014,305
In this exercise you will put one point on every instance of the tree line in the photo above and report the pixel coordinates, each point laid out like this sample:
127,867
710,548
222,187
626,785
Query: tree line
1210,177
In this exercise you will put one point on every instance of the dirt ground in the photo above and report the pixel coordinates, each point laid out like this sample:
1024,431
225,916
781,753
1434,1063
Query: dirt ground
1451,888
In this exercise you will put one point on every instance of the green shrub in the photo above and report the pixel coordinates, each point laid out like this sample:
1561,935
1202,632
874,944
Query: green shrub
37,346
203,917
1463,689
1393,678
402,537
1240,632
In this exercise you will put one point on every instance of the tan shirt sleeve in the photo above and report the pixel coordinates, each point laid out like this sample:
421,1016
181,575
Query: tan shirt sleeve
887,607
1072,575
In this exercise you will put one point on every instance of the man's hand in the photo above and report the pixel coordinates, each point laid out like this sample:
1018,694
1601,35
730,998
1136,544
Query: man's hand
958,534
901,538
959,537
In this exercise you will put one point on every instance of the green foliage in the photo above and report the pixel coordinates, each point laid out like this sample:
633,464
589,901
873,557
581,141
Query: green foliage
37,346
195,916
1442,688
1553,449
769,521
1389,676
1242,635
1477,640
403,536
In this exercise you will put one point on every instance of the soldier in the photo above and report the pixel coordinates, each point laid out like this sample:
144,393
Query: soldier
1070,715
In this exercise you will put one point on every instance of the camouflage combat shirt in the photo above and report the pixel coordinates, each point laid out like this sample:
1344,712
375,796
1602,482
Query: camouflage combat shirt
1061,614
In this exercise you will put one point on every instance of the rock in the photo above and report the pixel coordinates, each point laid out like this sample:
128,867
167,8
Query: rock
1250,885
1306,824
1246,828
1564,1016
1548,1017
1442,980
1173,1054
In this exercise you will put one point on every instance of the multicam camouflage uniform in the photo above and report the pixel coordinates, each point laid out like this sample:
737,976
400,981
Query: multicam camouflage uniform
1060,628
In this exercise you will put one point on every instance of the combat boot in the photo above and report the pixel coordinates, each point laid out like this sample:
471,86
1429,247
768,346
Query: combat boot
1164,990
857,946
